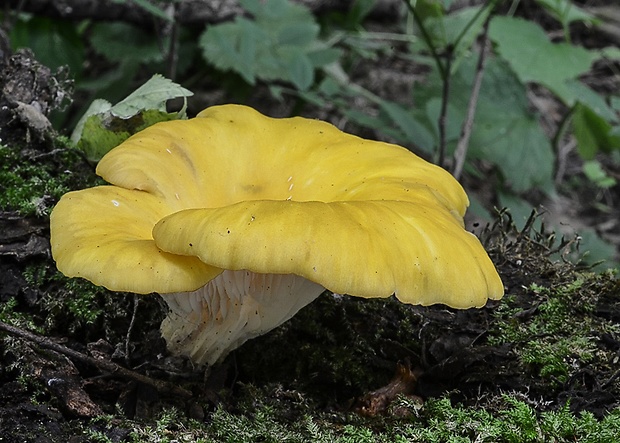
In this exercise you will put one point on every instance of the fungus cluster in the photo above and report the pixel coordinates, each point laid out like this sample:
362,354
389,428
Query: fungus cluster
239,220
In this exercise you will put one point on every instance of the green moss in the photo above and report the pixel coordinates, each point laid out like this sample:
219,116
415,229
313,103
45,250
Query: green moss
265,415
553,338
33,181
76,303
10,314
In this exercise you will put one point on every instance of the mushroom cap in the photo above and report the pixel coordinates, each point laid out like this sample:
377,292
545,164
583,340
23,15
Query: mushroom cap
103,234
234,189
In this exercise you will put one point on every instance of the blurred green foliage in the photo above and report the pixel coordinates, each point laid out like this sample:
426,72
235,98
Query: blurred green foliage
279,43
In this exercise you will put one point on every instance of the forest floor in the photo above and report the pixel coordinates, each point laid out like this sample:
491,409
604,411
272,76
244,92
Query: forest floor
542,364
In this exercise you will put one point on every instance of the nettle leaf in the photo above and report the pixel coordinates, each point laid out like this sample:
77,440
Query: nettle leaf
534,58
506,132
221,45
300,70
152,95
300,34
280,42
249,38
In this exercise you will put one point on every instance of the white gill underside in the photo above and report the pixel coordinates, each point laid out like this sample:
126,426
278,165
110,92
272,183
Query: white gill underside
206,324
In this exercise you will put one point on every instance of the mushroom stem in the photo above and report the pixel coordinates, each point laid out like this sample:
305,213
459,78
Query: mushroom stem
206,324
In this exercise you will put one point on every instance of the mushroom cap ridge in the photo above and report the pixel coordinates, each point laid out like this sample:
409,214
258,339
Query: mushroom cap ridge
366,249
298,195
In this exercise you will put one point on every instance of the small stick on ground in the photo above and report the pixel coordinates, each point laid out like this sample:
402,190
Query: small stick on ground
104,365
136,300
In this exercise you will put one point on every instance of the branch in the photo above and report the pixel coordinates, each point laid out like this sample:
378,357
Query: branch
443,113
460,153
104,365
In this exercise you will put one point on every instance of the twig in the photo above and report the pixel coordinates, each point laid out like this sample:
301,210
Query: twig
556,142
443,72
526,228
443,113
104,365
460,153
136,300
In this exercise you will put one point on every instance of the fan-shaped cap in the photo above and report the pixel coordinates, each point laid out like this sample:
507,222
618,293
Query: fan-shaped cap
233,189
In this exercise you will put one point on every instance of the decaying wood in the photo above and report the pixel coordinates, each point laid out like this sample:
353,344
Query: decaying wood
63,380
103,365
403,383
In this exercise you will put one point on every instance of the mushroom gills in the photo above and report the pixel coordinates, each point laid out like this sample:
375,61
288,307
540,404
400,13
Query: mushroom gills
207,324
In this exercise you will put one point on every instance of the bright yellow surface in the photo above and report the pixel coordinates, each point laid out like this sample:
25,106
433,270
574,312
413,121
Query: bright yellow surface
298,195
368,249
103,234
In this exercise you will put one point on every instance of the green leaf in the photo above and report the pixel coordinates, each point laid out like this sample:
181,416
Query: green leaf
97,140
566,12
414,131
610,52
428,9
152,95
466,24
300,71
248,38
55,43
280,42
330,87
594,249
221,46
592,132
575,91
300,34
505,132
121,41
534,58
104,126
323,56
103,132
98,106
597,175
358,12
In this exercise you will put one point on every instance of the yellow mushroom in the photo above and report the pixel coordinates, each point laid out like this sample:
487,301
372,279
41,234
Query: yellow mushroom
239,220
